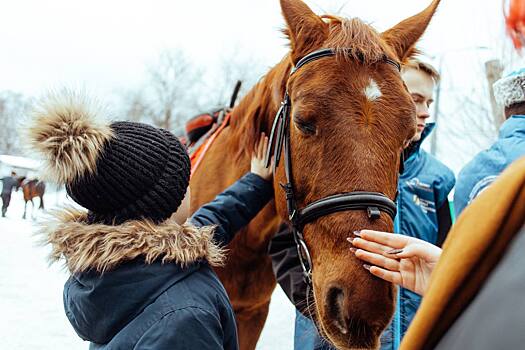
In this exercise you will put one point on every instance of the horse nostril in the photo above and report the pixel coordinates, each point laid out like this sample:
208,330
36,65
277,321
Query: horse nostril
335,302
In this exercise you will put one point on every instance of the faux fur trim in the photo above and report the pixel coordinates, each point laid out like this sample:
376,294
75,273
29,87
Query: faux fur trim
102,247
510,90
67,131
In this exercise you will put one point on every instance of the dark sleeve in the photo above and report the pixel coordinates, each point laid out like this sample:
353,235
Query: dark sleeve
235,207
287,267
444,222
185,329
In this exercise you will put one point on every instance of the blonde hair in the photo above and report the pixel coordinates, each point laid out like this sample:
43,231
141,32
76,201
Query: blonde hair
424,67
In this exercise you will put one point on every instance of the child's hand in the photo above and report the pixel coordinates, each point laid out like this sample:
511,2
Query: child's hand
259,159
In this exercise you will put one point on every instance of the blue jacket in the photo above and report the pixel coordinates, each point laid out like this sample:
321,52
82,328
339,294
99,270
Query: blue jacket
481,171
423,189
157,290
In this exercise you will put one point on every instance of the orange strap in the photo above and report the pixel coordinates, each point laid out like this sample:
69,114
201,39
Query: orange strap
198,155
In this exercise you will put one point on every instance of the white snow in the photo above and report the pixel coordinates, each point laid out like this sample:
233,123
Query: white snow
32,315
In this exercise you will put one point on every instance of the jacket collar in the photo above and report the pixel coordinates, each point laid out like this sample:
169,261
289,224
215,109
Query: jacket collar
512,126
415,147
102,247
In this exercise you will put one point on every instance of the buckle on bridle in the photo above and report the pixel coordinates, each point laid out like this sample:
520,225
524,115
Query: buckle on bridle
288,190
373,213
293,216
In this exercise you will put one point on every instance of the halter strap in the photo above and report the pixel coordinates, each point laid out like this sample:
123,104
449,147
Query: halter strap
373,202
331,52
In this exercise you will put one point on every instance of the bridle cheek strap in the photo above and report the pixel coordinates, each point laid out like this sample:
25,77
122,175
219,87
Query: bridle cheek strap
372,202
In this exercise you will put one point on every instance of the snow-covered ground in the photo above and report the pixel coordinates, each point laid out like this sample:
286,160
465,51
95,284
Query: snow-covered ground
32,315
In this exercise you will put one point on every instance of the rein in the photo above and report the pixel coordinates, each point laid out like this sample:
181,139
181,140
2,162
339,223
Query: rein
372,202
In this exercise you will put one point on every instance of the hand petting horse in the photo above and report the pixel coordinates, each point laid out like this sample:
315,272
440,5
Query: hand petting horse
348,115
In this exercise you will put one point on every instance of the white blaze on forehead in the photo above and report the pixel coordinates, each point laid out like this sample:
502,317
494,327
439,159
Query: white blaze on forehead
372,91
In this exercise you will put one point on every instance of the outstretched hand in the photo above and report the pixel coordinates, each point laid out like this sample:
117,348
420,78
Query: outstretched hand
396,258
258,163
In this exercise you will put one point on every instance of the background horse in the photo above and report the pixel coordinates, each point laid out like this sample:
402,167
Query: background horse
32,189
350,117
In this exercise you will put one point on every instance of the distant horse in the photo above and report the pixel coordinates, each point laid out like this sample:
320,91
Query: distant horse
32,189
347,116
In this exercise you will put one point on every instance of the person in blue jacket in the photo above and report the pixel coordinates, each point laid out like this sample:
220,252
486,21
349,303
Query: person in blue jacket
424,186
483,170
141,273
423,212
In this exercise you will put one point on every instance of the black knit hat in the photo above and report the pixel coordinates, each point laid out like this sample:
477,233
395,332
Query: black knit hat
119,172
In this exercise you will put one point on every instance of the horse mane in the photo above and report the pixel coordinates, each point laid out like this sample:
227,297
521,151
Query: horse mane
351,38
255,111
354,39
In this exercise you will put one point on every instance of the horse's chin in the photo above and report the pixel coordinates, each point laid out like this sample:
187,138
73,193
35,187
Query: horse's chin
359,335
354,341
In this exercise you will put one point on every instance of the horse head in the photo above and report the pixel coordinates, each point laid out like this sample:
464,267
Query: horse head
350,115
20,182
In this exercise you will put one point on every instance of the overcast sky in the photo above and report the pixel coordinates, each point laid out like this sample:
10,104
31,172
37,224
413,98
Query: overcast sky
104,46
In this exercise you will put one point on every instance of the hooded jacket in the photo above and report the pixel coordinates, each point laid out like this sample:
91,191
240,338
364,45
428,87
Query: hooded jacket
143,286
483,170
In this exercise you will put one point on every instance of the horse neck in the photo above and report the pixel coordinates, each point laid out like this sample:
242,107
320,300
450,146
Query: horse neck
256,111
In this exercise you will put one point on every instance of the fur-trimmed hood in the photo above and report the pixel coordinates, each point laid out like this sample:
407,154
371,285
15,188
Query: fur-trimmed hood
119,271
101,247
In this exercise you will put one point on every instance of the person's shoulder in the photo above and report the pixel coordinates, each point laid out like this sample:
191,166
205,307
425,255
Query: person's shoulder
190,327
489,161
511,148
191,315
201,289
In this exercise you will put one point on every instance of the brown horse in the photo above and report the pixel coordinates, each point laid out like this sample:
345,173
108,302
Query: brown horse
31,189
350,117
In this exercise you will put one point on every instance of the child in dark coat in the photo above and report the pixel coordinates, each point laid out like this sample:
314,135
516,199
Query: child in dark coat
141,276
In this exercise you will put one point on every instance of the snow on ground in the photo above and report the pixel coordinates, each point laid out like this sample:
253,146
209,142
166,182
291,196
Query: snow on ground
31,293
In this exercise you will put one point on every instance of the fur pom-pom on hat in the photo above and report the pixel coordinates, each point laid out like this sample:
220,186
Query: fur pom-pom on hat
120,171
510,89
67,131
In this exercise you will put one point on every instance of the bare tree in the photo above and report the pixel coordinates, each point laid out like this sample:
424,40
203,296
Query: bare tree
233,65
136,108
176,89
173,82
13,108
168,96
469,117
493,71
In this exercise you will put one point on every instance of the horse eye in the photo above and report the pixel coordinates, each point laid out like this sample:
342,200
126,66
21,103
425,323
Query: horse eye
305,127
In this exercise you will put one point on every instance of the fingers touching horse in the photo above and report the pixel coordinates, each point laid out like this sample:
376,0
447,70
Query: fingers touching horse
350,116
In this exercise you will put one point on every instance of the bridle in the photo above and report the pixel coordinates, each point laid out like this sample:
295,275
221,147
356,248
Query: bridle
373,202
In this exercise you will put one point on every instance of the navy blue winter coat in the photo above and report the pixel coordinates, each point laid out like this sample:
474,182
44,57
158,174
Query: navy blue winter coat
157,289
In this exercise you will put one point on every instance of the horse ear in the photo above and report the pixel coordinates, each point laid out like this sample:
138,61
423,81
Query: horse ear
305,30
403,37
